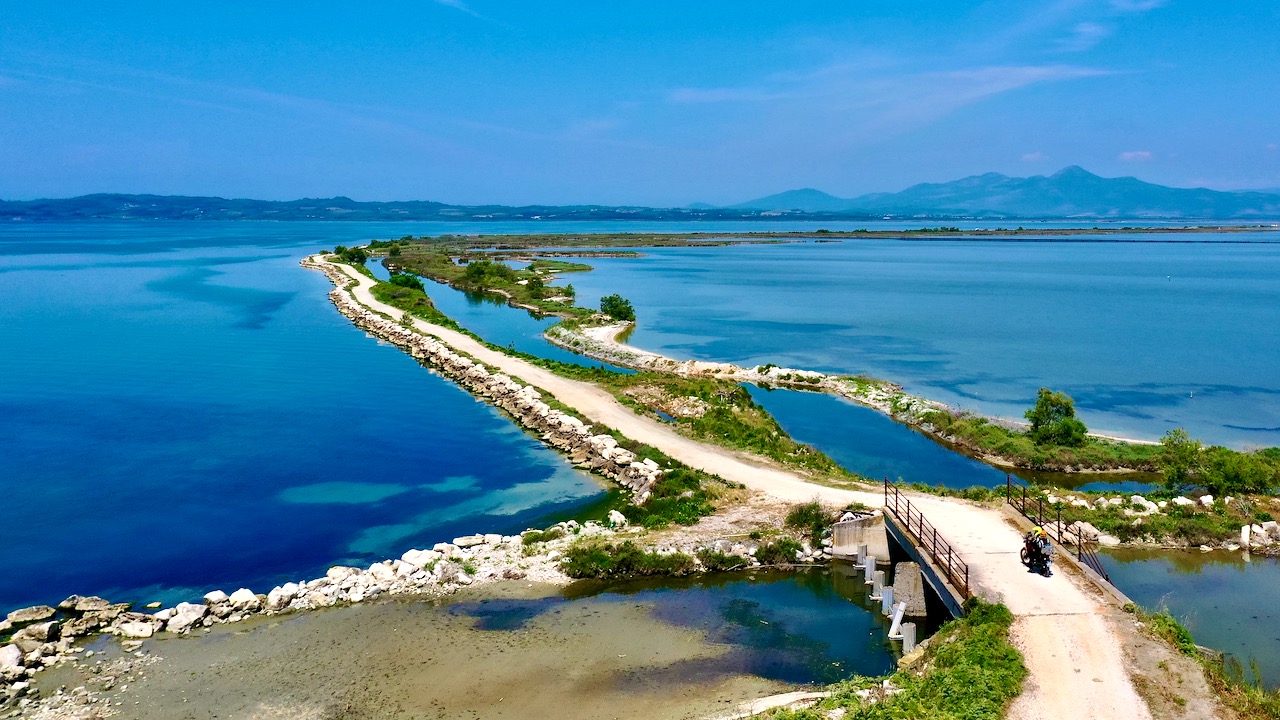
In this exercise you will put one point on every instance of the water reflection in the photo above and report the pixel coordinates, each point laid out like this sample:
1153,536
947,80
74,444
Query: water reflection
1226,601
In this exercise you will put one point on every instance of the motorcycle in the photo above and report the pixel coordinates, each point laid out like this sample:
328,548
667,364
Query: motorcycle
1037,556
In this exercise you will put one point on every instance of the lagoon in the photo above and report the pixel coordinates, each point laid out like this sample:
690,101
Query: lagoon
1145,335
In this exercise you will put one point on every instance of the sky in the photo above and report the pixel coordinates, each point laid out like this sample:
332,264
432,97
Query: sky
655,103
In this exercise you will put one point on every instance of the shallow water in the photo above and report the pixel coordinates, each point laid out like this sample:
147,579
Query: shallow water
667,648
1228,603
1146,336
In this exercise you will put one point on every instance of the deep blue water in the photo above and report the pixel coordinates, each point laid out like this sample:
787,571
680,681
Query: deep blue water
871,444
1226,602
183,409
1146,336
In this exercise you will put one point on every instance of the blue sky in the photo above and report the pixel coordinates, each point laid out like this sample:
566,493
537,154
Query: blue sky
656,103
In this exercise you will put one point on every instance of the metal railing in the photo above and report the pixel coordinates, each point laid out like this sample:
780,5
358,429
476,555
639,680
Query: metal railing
1032,507
927,538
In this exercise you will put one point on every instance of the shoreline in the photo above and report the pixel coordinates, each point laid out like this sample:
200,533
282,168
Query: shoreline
886,397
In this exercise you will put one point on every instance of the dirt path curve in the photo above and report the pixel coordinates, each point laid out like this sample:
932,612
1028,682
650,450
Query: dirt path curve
1062,627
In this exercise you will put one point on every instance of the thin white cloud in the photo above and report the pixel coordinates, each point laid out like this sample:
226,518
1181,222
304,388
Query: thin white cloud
1136,6
1032,157
1136,156
1084,36
458,5
1273,147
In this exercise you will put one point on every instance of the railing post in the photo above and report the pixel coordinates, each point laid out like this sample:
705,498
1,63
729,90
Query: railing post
1008,488
1059,529
1024,500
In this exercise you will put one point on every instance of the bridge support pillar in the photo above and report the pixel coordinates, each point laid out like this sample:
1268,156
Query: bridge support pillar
908,588
908,637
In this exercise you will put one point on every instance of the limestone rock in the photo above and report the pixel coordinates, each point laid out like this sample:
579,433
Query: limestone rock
280,597
1182,502
1206,500
617,519
91,604
185,615
216,597
30,615
467,541
421,558
137,630
243,600
11,664
338,573
382,573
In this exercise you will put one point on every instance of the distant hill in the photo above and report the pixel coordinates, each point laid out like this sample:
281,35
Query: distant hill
177,207
1070,193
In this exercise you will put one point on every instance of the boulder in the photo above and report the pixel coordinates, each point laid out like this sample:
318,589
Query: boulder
81,626
338,573
1206,500
244,600
280,597
617,519
43,632
1272,529
30,615
185,615
1182,502
11,664
217,597
421,558
69,604
467,541
91,604
382,573
136,630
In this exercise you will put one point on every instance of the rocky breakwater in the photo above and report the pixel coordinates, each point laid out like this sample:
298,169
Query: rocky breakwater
560,430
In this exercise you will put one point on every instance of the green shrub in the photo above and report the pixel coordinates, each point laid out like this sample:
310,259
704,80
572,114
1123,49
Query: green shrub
1053,420
617,307
778,552
716,561
603,560
813,518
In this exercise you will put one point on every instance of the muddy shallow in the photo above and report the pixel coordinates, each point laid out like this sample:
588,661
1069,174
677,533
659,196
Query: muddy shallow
673,649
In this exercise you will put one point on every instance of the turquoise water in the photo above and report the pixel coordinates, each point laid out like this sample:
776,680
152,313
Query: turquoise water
183,409
1226,602
1146,336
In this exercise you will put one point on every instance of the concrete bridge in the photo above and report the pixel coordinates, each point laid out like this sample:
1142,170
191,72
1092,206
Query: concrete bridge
1068,627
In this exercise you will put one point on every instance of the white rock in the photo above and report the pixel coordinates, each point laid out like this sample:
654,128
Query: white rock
338,573
137,630
1110,540
186,615
421,558
1182,502
164,615
1206,500
492,539
463,579
382,573
1272,528
1245,532
617,519
217,597
11,661
243,600
280,597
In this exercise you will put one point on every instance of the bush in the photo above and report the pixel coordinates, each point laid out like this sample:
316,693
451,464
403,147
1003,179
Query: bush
779,552
1053,420
716,561
813,518
617,307
589,560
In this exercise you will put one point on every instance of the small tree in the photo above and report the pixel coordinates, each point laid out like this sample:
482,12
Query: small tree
568,290
617,307
1180,459
535,287
1053,420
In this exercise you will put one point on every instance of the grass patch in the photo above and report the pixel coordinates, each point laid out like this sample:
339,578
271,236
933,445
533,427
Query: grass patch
607,560
1242,693
978,435
534,537
971,673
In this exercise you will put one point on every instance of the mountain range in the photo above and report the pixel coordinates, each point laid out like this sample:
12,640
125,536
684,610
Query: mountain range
1068,194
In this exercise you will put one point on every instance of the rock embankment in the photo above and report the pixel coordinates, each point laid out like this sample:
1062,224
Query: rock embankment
599,452
43,636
